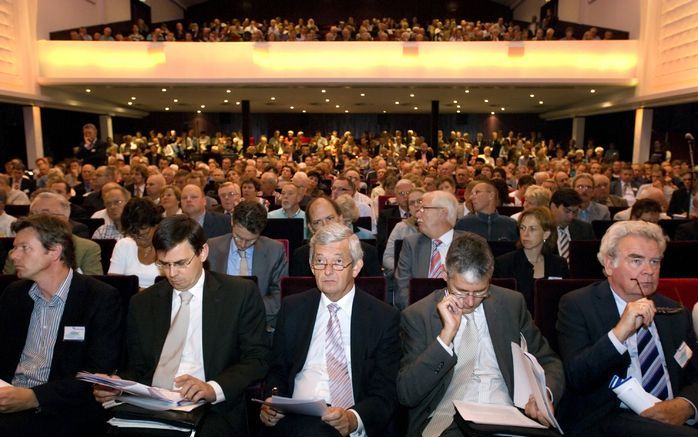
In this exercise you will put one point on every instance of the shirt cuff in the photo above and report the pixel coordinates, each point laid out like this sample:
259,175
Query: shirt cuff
220,397
620,347
360,431
449,348
694,418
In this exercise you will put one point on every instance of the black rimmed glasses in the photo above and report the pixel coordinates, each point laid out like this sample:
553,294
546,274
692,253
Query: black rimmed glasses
177,265
660,310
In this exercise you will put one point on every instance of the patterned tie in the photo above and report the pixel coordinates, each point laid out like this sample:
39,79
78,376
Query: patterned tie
653,377
244,269
171,354
436,268
463,371
564,244
341,392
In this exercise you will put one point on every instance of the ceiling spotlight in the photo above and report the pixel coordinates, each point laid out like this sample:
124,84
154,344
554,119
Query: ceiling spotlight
384,112
502,109
592,91
327,100
164,90
130,103
227,91
540,102
531,95
323,91
291,107
336,106
203,106
487,101
458,106
198,111
397,103
237,103
411,95
492,113
87,90
167,108
346,111
225,101
467,91
363,95
175,100
272,98
303,111
457,111
133,98
455,101
416,107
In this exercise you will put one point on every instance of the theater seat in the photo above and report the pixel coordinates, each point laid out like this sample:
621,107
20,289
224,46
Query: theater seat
107,247
583,261
682,290
375,286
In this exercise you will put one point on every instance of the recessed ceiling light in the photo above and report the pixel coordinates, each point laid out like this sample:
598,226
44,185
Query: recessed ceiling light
363,95
175,100
164,90
416,107
531,95
87,90
291,107
502,108
203,106
237,103
336,106
540,102
130,103
458,106
397,103
592,91
467,91
327,100
167,108
133,98
346,111
323,91
228,91
411,95
455,101
384,112
492,113
272,98
457,111
225,101
303,111
198,111
487,101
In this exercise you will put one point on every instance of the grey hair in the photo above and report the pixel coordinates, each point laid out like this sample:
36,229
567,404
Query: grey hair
65,205
448,201
350,211
539,196
470,256
333,233
622,229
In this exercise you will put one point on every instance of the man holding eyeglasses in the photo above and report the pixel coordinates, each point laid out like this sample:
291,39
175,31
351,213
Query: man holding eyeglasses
621,327
245,252
589,210
335,343
199,332
457,344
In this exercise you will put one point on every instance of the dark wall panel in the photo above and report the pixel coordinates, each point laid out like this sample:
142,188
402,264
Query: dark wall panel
672,123
12,141
62,130
612,128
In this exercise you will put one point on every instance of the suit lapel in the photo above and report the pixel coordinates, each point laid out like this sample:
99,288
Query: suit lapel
161,313
605,306
73,315
360,319
259,258
221,256
500,340
212,305
306,322
423,257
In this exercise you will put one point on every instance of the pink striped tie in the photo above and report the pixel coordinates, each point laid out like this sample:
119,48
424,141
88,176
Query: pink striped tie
341,393
436,268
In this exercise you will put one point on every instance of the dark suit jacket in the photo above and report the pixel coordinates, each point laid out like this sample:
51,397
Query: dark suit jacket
584,319
382,229
617,187
93,202
680,202
269,264
516,265
427,368
375,352
300,265
80,229
579,230
687,231
216,224
235,350
90,303
96,156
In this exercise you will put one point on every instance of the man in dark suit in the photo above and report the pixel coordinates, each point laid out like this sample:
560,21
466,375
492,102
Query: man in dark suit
423,255
457,344
92,151
614,328
682,197
194,206
689,231
225,348
625,186
246,252
320,212
337,343
54,322
564,204
402,190
104,176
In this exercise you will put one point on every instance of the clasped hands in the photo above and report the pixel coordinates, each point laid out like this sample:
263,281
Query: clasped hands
191,388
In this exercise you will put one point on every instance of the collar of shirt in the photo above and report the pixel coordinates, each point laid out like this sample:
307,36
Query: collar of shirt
446,238
295,214
346,303
62,292
197,292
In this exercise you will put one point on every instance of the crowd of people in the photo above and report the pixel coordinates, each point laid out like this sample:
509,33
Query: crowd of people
370,29
194,209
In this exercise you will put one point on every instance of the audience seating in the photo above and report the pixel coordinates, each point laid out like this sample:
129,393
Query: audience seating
509,210
91,223
422,287
501,247
600,227
290,229
669,226
583,261
383,203
287,249
17,210
375,286
107,247
679,260
615,210
363,222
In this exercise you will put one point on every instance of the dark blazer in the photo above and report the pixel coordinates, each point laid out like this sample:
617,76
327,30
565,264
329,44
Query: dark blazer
516,265
427,368
300,265
93,202
680,202
383,234
579,230
216,224
235,350
584,319
80,229
90,303
96,156
375,353
617,187
687,231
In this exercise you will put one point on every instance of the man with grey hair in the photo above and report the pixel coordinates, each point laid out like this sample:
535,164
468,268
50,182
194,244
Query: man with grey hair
589,210
336,342
621,327
457,344
423,255
653,193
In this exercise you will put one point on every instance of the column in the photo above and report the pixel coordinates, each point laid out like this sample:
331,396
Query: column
434,127
578,124
245,125
643,134
32,133
105,127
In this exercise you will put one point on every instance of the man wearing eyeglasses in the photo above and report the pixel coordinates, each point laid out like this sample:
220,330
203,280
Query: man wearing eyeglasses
343,185
402,190
589,210
335,343
621,327
457,344
229,194
564,204
199,332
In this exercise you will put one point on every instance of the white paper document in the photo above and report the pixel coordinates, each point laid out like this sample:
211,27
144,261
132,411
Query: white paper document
631,393
491,414
296,406
4,384
146,424
529,379
152,398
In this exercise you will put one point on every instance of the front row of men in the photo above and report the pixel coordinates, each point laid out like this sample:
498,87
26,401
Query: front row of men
204,334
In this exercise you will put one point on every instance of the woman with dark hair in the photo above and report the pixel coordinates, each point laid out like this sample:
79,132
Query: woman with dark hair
534,258
134,254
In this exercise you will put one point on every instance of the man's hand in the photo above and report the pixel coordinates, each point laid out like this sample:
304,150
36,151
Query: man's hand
340,419
450,311
673,412
270,416
638,313
103,393
194,389
535,413
14,399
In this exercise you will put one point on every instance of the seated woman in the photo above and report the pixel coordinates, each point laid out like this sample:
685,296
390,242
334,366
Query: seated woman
169,200
403,229
534,196
350,213
135,255
534,259
249,188
448,184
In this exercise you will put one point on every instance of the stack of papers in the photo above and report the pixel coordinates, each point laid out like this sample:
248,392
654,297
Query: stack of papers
141,395
632,394
491,414
296,406
144,424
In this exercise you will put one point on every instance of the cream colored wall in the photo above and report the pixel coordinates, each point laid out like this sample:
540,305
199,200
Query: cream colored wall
56,15
164,10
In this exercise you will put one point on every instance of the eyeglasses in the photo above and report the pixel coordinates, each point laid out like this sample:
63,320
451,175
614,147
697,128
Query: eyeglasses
480,294
337,266
660,310
429,207
229,195
417,202
177,265
584,187
402,193
114,203
324,221
340,189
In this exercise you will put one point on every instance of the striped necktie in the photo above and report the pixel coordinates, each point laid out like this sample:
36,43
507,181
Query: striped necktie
653,377
563,244
341,392
436,267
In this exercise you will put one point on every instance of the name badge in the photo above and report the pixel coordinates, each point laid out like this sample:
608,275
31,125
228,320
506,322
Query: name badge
74,333
683,354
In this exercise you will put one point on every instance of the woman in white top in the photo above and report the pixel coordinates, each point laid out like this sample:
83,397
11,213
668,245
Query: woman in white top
403,229
134,254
